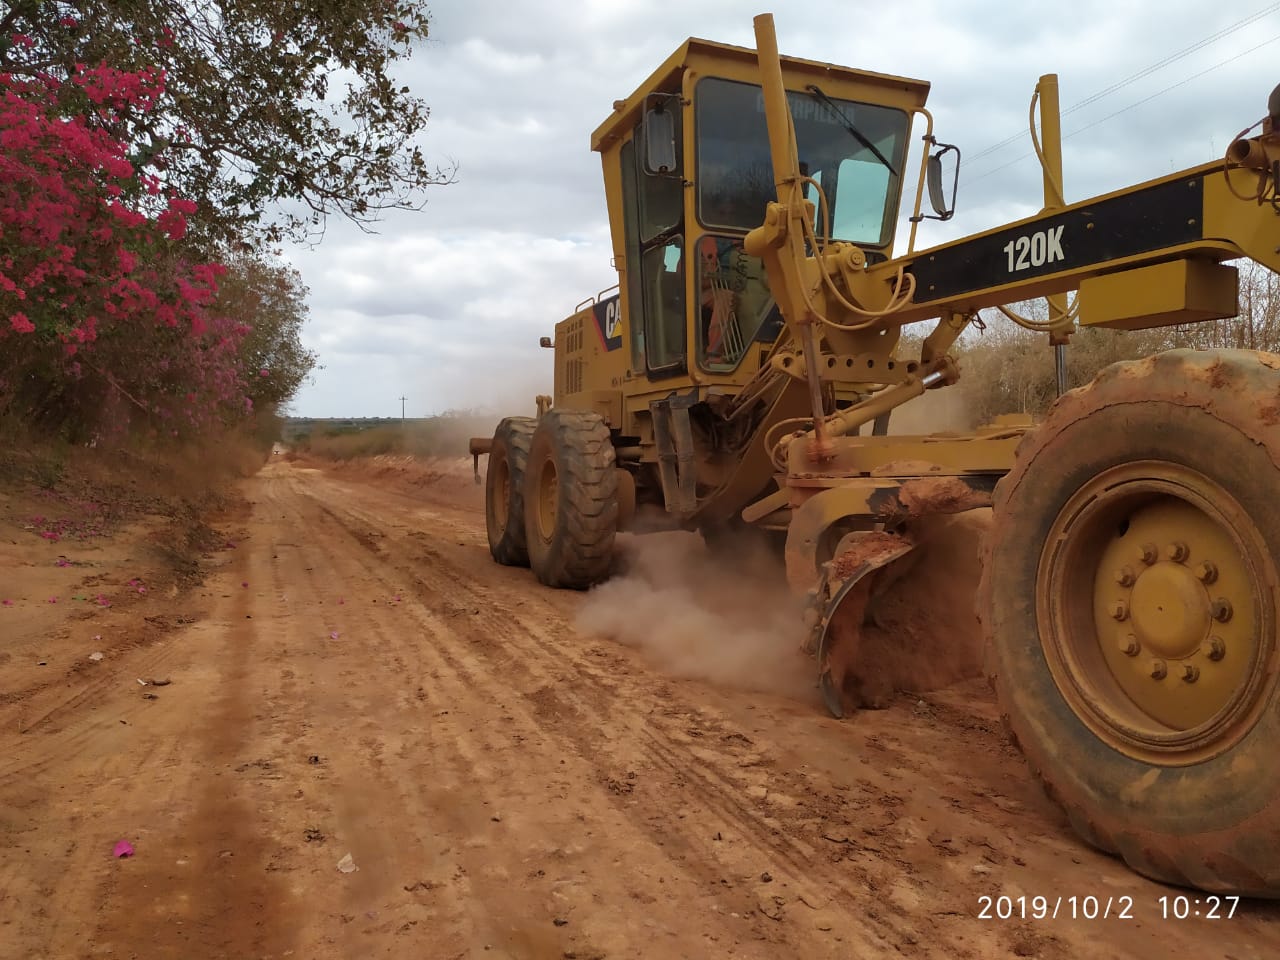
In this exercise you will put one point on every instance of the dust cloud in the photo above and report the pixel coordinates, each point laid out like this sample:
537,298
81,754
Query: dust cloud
725,617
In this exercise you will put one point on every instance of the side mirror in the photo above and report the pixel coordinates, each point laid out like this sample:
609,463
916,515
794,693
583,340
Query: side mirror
936,176
661,157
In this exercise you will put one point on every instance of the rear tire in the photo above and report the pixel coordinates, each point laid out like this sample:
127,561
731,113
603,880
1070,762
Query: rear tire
1129,598
504,491
571,497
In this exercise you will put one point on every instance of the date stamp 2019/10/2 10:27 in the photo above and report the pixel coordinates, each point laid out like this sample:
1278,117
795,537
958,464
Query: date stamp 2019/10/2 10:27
1092,907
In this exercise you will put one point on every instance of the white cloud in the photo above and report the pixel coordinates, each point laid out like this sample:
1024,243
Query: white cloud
446,305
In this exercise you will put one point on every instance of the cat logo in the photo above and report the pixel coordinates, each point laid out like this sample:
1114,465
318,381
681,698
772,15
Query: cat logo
608,314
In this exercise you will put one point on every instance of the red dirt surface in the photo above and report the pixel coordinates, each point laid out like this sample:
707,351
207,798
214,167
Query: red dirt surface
355,676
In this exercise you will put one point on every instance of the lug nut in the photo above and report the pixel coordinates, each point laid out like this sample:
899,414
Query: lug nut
1130,646
1177,552
1148,554
1214,649
1206,572
1125,577
1221,610
1190,673
1159,670
1120,610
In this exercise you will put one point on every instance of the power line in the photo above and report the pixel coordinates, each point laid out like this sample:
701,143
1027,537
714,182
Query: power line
1088,126
1145,72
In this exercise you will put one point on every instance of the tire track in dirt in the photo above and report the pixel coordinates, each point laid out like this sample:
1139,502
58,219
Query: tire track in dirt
716,791
466,767
224,870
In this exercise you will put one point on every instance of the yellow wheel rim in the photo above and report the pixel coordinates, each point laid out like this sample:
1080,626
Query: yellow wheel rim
500,492
548,495
1156,614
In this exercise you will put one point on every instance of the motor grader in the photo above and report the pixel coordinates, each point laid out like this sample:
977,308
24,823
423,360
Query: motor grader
742,373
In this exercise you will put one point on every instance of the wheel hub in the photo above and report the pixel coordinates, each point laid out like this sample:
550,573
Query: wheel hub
1170,610
1155,607
1152,607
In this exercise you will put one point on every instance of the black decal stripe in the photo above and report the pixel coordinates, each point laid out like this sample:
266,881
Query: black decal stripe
1160,216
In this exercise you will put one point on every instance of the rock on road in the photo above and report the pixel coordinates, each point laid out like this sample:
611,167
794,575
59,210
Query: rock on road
361,679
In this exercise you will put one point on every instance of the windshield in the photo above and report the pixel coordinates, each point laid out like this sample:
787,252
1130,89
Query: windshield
735,174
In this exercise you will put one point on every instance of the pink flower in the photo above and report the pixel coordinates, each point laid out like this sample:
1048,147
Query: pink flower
6,603
20,324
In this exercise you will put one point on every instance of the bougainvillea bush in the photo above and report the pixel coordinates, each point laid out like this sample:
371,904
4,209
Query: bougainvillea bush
105,319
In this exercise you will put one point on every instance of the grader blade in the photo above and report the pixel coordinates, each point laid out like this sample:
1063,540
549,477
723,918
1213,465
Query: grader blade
865,565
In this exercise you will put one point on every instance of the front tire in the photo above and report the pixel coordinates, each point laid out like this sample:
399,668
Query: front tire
1129,598
571,497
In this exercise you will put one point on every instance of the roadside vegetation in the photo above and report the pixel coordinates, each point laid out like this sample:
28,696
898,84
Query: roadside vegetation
153,155
442,436
1006,369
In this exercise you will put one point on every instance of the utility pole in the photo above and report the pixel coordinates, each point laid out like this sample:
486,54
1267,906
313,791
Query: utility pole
402,400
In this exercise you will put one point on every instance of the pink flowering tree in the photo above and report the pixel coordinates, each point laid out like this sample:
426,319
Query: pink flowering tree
103,310
144,142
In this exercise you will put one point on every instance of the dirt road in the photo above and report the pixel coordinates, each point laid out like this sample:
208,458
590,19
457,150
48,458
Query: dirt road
356,677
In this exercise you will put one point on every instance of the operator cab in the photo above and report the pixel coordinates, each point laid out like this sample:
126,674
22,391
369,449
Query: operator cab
688,173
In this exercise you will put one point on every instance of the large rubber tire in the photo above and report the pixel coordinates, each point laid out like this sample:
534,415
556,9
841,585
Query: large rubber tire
504,490
1196,805
571,497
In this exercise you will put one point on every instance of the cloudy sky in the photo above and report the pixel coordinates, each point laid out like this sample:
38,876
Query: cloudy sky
445,306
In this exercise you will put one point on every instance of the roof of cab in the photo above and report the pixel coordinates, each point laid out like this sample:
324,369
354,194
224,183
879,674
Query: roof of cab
626,113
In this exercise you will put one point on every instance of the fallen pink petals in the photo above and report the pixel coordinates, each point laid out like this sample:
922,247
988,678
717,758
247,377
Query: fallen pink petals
122,849
333,635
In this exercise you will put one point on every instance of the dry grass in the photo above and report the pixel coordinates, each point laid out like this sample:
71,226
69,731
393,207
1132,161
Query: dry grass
444,436
132,475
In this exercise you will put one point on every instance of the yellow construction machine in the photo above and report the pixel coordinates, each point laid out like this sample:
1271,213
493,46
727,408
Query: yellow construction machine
741,375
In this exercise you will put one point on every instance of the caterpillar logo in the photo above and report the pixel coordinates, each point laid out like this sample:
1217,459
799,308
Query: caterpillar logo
608,314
